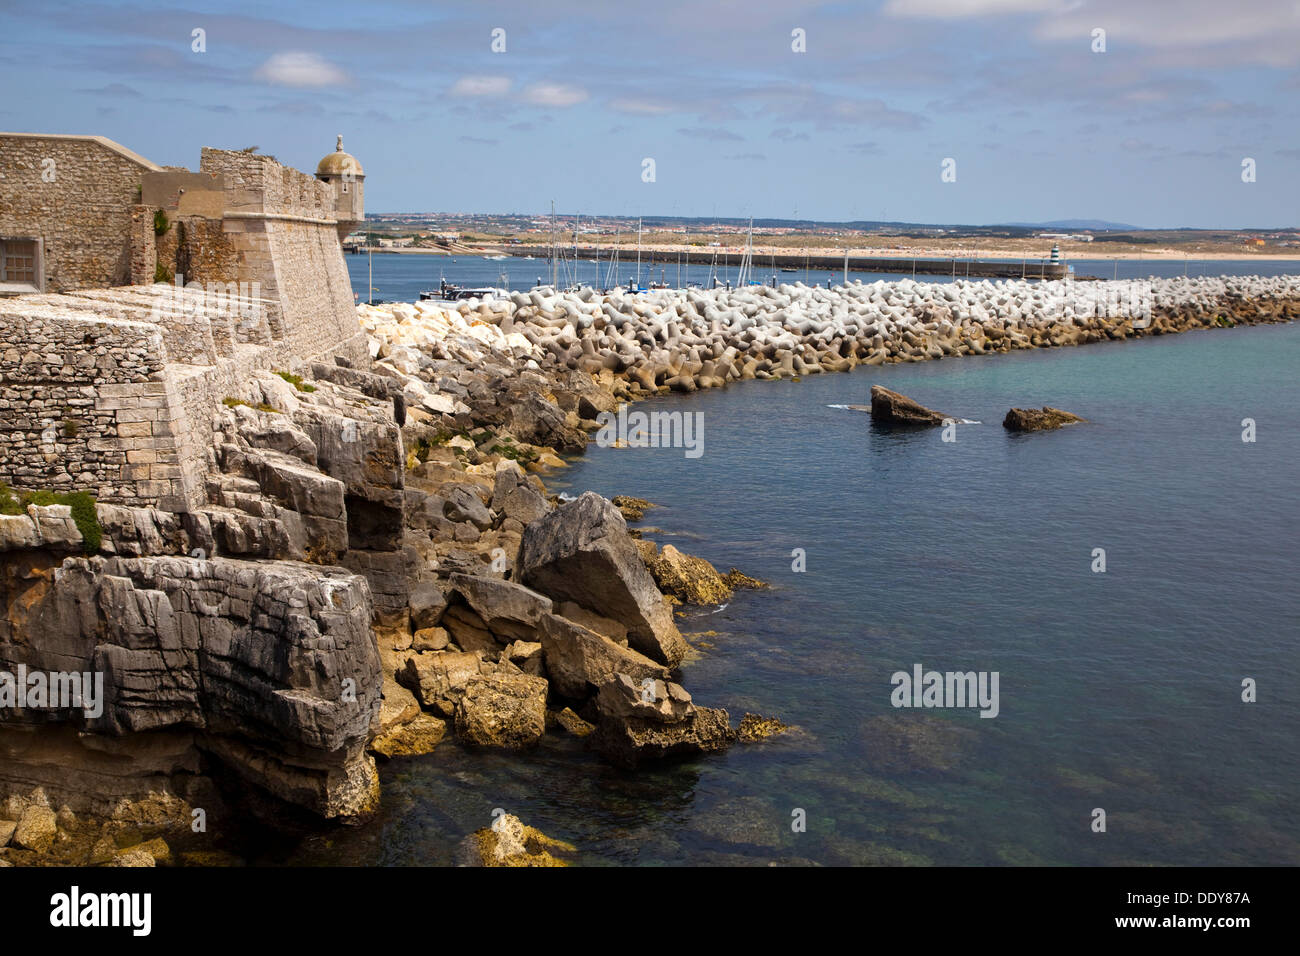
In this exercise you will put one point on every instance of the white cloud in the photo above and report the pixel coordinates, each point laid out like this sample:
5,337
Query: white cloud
481,86
955,9
642,107
554,94
300,69
1256,31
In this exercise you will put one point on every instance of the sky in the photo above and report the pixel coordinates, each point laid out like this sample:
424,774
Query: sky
764,108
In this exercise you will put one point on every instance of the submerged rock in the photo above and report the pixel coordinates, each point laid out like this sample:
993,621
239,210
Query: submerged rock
690,579
891,408
738,580
754,728
1037,420
508,842
632,509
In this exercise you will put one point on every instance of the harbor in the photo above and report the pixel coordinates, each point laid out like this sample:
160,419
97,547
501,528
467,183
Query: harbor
1048,267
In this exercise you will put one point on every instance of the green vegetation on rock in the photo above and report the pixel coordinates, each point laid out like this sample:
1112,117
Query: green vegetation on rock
82,504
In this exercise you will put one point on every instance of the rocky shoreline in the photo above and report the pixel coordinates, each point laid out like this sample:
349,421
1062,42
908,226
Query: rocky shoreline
380,567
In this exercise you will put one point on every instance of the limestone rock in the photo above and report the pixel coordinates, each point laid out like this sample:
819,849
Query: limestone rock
754,728
411,739
271,664
36,829
642,720
470,631
690,579
738,579
632,509
502,710
571,722
527,656
891,408
1037,420
515,496
579,661
464,504
582,552
132,857
430,639
510,611
508,842
438,680
592,621
427,603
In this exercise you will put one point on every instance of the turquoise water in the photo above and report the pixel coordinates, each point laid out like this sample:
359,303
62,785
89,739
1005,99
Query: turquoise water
1118,690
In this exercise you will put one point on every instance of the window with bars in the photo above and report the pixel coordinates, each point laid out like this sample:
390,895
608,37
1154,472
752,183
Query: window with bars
20,262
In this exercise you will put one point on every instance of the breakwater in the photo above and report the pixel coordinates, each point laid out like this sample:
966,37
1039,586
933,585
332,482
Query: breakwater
764,263
689,339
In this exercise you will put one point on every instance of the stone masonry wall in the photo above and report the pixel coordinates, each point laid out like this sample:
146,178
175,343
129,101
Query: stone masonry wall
81,206
86,404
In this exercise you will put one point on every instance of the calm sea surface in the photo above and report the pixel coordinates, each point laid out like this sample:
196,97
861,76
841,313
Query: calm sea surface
1118,690
402,277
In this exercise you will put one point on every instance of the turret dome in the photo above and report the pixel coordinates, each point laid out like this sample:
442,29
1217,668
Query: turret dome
338,163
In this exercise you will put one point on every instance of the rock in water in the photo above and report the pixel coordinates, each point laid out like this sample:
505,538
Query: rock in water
690,579
582,552
1038,420
754,728
891,408
508,842
655,719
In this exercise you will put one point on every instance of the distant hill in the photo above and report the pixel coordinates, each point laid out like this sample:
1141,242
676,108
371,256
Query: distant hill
1097,225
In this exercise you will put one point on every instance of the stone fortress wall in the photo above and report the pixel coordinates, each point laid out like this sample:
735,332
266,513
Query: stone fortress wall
77,194
111,388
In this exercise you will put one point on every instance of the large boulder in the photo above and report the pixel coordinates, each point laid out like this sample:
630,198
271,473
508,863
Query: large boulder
891,408
502,710
579,661
510,611
532,419
438,679
464,505
644,719
1038,419
582,552
515,496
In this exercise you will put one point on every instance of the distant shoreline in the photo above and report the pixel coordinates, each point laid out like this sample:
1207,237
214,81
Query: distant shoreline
703,253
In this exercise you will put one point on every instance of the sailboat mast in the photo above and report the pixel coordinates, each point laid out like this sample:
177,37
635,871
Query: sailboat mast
555,265
638,251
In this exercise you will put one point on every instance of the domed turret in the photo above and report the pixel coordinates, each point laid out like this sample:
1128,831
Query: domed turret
342,171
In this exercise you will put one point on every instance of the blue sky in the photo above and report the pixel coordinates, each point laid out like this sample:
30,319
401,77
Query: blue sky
1153,131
